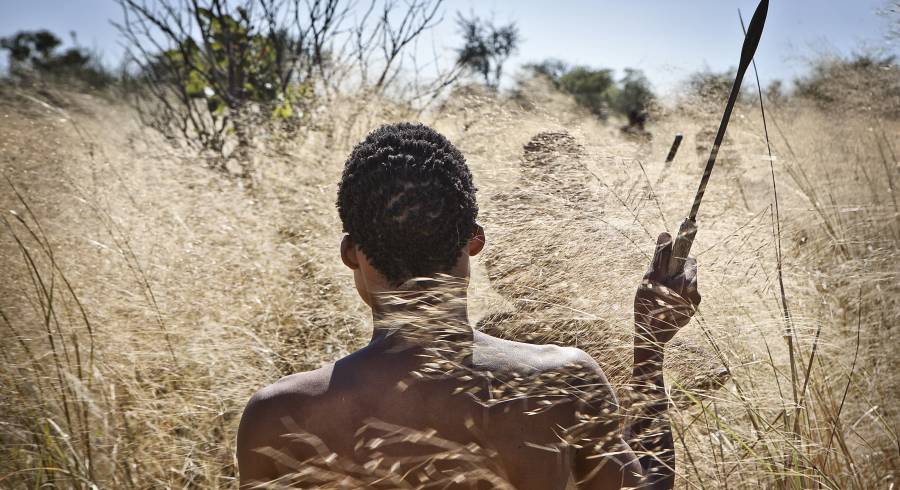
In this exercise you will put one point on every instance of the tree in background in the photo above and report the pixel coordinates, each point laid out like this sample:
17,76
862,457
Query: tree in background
552,69
598,91
213,72
36,52
634,98
486,47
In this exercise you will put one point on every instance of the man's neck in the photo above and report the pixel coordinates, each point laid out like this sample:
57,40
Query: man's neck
422,316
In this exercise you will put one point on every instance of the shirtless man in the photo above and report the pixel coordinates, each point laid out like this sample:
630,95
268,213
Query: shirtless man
430,403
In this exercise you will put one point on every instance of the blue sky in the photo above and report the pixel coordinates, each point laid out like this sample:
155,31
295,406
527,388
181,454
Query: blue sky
667,39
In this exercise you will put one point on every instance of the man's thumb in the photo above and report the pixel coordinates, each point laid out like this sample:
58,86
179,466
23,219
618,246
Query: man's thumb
660,266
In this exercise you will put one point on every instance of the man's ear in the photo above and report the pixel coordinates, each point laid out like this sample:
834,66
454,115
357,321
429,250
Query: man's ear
476,243
348,253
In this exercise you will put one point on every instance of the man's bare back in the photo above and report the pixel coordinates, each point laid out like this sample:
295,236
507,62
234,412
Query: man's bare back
431,404
513,419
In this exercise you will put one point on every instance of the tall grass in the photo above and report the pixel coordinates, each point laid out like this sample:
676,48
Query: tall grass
144,298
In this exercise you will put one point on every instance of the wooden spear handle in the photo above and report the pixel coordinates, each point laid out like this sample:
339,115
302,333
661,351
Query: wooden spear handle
681,247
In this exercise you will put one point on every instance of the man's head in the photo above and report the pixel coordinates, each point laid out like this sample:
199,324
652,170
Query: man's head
407,203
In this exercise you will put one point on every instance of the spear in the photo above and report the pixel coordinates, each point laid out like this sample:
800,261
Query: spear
688,228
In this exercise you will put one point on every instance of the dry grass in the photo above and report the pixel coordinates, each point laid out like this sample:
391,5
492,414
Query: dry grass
144,298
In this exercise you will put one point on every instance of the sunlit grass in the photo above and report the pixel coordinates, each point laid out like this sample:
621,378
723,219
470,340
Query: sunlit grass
144,299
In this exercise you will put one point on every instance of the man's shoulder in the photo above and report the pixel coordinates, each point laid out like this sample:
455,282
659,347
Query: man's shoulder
280,408
552,368
306,384
283,398
502,354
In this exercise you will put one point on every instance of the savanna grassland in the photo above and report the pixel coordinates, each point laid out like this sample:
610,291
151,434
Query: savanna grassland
145,297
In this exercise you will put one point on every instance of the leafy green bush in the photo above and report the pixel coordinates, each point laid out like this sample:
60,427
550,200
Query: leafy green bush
217,75
233,46
592,89
552,69
231,78
634,98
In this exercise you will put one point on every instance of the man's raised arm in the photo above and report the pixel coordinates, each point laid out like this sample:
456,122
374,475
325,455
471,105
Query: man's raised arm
642,455
662,305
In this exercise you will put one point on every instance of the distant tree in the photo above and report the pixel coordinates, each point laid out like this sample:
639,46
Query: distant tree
36,51
592,89
634,98
486,47
31,47
598,91
552,69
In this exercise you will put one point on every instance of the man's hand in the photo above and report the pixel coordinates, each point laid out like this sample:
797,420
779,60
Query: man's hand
664,304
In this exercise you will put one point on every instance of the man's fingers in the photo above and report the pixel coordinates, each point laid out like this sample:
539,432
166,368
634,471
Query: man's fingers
684,285
660,266
672,315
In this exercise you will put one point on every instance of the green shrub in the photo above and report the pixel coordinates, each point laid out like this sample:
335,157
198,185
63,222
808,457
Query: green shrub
598,91
634,98
218,75
221,77
592,89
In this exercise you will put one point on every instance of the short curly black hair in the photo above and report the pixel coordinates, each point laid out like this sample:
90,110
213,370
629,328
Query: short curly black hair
407,199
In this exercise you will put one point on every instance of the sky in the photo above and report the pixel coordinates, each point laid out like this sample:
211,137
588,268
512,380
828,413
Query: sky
668,40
